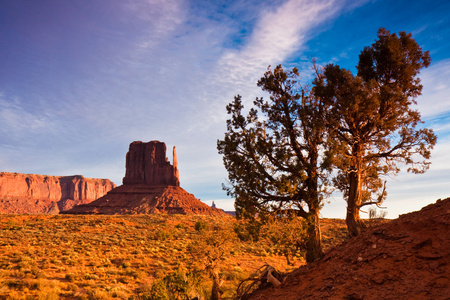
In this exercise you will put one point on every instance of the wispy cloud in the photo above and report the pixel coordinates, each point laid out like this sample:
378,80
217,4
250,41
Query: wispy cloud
160,18
17,122
278,33
435,99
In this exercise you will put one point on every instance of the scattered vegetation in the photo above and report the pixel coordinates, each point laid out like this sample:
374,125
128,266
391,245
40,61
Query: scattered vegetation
136,257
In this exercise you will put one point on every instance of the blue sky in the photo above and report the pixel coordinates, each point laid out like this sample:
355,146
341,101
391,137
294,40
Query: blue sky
80,80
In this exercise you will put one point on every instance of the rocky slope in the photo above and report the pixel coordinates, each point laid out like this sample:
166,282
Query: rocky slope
145,199
407,258
31,193
151,185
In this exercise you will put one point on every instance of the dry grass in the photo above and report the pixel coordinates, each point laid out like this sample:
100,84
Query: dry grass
103,257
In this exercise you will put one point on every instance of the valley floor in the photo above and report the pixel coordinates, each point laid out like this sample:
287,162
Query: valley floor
102,257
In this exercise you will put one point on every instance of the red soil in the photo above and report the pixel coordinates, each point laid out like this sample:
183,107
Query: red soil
407,258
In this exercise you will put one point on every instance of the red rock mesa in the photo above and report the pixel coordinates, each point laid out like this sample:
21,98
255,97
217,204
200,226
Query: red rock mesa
151,185
146,163
40,194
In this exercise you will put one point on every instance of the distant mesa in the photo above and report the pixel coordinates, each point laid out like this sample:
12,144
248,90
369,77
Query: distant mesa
151,185
43,194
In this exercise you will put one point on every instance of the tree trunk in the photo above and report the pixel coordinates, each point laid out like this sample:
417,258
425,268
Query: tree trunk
354,223
314,239
215,292
313,242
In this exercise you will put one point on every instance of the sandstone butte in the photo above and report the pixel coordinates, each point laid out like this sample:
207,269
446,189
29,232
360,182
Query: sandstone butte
42,194
151,185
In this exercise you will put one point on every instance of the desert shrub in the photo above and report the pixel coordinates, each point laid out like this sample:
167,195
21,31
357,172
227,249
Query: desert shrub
273,234
98,295
144,289
158,291
72,287
20,284
11,225
48,295
209,250
162,235
377,213
89,276
248,230
70,277
16,296
176,284
180,226
286,235
200,225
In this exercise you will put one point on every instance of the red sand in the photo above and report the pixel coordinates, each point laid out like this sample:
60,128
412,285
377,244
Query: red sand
407,258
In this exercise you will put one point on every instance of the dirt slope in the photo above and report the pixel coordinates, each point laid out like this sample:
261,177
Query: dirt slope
146,199
407,258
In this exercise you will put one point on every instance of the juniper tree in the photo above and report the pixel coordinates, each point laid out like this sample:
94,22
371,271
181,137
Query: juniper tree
272,154
374,126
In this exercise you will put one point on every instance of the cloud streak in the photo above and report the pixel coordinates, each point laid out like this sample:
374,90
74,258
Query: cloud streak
435,99
17,123
278,33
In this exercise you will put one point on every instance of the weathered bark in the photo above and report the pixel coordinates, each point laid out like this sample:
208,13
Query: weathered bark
314,239
215,292
353,221
313,242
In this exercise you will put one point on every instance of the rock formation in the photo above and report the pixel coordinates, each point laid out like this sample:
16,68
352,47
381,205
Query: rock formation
151,185
146,163
31,193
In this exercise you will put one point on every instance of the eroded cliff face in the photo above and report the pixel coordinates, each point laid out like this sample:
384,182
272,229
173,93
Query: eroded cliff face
146,163
31,193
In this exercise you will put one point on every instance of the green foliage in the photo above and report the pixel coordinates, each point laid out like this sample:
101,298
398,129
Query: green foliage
158,292
200,225
249,230
209,250
287,235
372,124
283,234
272,153
173,286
